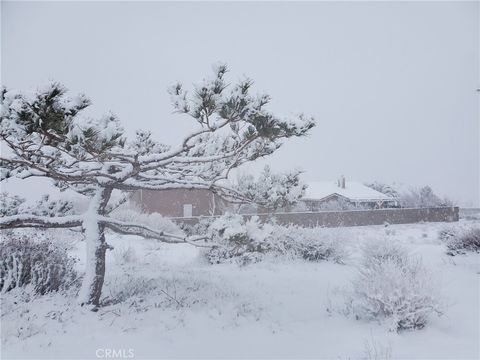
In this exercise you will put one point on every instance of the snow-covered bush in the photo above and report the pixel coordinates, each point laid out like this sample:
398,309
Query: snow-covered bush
182,289
14,204
42,265
153,220
237,239
9,204
411,197
423,197
53,207
375,350
128,287
247,241
199,228
393,287
461,241
381,251
124,255
447,233
314,244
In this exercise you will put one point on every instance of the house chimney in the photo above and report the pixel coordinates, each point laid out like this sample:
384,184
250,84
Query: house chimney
342,182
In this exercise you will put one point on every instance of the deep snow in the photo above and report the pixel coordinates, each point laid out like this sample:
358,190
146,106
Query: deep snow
175,305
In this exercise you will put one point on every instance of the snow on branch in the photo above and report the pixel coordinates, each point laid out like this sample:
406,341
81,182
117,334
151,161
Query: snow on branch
28,220
148,232
274,191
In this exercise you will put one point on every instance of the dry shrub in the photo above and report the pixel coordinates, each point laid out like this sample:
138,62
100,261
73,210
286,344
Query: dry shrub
41,264
393,287
461,241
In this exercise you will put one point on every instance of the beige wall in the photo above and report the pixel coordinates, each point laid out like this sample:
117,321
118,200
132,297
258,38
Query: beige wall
360,217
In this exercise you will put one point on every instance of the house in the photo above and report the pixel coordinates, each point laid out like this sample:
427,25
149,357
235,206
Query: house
342,194
339,195
180,202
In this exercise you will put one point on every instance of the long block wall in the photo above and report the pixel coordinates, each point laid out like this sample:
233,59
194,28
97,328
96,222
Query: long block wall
354,217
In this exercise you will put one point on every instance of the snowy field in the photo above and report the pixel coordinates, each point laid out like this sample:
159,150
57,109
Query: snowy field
166,301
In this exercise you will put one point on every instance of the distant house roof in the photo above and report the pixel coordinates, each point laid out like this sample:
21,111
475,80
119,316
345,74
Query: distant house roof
353,191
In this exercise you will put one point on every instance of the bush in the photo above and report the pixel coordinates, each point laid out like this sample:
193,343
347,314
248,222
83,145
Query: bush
181,289
378,252
394,287
461,241
124,255
313,244
447,233
246,241
199,228
153,220
236,239
41,264
128,287
423,197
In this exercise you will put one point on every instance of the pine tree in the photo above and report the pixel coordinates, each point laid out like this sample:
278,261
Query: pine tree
48,136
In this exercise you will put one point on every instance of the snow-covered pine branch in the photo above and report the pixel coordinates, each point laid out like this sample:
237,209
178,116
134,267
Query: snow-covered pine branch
30,220
273,191
48,136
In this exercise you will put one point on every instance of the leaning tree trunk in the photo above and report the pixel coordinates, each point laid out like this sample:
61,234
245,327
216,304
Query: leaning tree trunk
96,247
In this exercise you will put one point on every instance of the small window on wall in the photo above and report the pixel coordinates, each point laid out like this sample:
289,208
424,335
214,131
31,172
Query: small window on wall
187,210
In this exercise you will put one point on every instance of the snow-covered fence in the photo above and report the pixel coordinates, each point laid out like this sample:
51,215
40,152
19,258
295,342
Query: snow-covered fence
353,217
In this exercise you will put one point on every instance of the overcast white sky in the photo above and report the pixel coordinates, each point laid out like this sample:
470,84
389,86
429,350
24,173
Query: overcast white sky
392,85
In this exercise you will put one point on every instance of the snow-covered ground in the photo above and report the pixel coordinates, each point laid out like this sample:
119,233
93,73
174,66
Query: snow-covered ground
167,302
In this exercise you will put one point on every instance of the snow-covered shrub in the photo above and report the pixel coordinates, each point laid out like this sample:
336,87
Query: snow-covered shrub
51,208
375,350
9,204
13,205
181,289
129,287
393,287
381,251
124,255
237,239
199,228
65,239
412,197
42,265
153,220
247,241
446,233
423,197
314,244
461,241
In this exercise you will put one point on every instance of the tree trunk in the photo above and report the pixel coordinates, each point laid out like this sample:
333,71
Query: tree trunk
96,247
